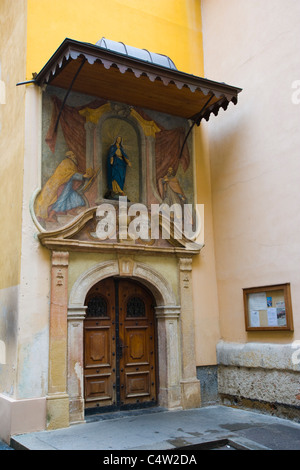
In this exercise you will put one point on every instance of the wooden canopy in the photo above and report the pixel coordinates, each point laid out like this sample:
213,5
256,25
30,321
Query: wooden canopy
96,71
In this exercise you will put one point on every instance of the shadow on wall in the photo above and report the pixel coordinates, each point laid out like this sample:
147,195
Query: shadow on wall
2,352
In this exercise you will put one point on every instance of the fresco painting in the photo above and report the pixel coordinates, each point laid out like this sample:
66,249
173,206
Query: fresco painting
63,192
95,151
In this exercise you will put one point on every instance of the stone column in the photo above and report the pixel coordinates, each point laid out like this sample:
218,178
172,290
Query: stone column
89,129
57,398
99,165
76,316
168,356
190,385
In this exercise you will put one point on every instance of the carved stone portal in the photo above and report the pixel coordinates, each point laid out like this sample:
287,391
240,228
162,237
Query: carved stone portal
178,385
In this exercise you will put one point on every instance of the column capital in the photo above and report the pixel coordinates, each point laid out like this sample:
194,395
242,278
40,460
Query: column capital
185,264
60,258
89,125
76,313
167,312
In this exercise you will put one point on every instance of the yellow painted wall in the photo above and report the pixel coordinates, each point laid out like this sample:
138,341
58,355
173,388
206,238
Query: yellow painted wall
81,262
12,130
12,119
170,27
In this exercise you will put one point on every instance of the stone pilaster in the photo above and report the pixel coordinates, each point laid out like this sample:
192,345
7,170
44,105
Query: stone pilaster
57,398
190,385
76,316
89,129
168,356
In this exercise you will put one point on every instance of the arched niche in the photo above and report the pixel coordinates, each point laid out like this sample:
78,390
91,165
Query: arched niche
101,134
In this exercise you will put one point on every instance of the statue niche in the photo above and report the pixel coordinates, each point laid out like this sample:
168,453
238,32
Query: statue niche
117,161
121,157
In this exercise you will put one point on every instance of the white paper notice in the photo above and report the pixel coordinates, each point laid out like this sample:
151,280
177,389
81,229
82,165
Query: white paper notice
254,318
258,301
272,317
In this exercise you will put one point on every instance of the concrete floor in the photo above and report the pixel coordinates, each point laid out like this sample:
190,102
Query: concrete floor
213,427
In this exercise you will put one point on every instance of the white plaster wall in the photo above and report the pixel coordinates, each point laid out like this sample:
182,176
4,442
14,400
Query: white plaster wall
8,338
33,341
254,151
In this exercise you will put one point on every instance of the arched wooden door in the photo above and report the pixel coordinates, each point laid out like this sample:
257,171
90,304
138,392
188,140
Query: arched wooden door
119,346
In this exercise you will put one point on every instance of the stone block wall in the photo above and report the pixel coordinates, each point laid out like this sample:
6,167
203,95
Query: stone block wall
260,375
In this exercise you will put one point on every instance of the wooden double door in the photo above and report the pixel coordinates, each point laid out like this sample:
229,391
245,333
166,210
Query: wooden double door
119,347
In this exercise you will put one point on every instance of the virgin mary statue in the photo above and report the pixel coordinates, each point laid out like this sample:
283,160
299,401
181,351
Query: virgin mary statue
117,161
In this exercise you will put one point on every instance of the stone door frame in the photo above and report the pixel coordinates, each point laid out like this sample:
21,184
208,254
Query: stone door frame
178,386
167,314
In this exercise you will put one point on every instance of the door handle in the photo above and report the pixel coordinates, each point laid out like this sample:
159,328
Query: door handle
121,347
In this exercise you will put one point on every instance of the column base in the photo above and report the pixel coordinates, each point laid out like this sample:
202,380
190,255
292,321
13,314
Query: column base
57,411
76,410
170,398
190,393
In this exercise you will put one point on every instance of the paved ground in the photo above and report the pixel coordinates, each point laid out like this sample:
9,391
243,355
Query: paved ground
214,427
4,446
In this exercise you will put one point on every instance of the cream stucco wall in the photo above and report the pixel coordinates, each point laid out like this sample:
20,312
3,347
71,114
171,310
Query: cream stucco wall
79,263
254,150
35,268
206,311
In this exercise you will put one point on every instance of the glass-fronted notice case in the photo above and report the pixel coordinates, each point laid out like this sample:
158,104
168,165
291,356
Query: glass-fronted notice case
268,308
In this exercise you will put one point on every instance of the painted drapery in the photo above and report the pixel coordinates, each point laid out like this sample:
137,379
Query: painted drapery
168,142
72,124
168,145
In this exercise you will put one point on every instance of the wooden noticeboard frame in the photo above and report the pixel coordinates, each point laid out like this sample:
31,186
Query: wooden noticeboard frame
268,308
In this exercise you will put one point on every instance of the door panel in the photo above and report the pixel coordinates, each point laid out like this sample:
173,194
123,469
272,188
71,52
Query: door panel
100,346
137,384
98,388
137,347
137,363
120,359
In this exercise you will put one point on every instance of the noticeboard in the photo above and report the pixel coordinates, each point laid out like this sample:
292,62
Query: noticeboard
268,308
